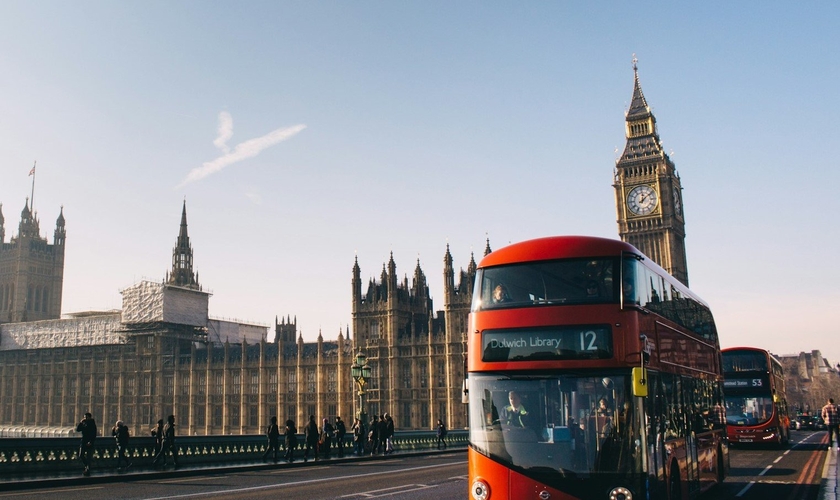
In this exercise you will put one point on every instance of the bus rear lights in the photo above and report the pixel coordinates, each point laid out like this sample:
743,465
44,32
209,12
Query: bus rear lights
621,493
480,490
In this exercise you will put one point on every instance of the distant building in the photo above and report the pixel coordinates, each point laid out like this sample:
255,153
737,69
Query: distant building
810,380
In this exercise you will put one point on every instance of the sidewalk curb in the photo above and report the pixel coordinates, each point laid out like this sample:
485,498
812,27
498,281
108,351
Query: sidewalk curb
828,485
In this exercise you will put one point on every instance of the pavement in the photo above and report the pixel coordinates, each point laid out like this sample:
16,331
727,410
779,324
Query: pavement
831,474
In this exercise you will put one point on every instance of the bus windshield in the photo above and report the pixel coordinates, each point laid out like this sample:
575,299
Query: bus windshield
561,426
569,281
748,410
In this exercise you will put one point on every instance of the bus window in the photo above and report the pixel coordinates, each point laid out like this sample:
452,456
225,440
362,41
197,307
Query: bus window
569,423
572,281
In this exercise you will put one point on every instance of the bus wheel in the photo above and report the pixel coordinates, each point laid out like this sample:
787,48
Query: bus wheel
674,487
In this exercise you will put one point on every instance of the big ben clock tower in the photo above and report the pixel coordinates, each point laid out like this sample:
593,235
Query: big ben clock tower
648,193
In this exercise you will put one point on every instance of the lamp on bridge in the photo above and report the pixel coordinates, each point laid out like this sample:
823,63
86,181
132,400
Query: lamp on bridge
361,373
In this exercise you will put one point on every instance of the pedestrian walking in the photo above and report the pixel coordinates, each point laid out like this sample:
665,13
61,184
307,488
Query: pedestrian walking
327,434
373,435
359,437
832,421
157,432
310,436
389,434
273,434
340,432
87,426
290,434
383,434
121,435
441,434
168,447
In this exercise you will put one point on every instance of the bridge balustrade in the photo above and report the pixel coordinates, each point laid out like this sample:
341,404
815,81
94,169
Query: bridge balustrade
38,455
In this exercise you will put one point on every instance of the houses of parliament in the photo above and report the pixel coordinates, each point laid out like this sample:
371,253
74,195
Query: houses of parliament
162,354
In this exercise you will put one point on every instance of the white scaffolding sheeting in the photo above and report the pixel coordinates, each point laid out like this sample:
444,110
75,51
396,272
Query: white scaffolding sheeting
149,302
221,331
75,332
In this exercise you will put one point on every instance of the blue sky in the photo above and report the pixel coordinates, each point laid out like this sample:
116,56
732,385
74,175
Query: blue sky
302,134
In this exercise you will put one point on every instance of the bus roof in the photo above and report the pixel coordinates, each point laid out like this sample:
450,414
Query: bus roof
571,247
555,247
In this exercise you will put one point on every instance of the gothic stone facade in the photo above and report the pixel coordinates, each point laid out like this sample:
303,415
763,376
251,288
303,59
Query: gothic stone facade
31,270
157,357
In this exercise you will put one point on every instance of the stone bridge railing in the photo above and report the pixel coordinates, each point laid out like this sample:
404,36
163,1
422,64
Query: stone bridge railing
55,455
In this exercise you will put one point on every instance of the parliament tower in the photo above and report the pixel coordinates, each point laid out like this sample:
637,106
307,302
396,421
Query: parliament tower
31,270
648,192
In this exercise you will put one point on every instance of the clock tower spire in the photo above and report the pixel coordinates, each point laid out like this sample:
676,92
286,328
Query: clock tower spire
648,192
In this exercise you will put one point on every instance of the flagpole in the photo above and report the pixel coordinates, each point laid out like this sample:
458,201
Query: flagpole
32,198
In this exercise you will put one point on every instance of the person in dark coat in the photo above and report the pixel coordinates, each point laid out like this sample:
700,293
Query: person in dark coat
168,447
311,438
327,433
273,434
373,435
340,432
383,434
291,440
389,434
359,437
121,435
157,432
441,434
87,427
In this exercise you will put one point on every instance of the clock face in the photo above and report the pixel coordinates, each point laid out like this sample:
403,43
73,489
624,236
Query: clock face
642,200
677,202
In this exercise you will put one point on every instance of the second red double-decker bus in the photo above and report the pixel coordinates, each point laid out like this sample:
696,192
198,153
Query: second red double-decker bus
756,404
592,374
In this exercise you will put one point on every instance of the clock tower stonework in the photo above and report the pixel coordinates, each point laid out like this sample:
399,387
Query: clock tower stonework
648,193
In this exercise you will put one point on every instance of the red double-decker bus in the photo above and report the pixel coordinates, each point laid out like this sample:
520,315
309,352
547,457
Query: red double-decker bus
592,374
756,404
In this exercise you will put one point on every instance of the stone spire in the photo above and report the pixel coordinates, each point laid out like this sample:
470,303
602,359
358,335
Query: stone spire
182,258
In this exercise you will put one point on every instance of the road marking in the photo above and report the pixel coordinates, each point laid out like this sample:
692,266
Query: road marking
299,483
778,459
741,493
765,470
385,492
50,491
203,478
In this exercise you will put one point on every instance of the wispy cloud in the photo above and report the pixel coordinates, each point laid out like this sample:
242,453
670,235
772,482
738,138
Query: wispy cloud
255,198
242,151
225,131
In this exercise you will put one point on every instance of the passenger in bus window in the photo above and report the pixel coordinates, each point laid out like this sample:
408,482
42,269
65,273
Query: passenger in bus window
629,291
592,290
500,294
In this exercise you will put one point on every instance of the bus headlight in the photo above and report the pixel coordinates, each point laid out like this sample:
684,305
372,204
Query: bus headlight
621,493
479,490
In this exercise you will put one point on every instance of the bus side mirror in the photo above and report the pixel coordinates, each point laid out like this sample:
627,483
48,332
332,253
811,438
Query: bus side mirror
640,383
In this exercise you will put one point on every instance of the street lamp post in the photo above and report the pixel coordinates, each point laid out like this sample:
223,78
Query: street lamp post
361,373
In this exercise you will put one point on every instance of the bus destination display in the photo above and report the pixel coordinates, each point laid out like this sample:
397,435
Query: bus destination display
567,342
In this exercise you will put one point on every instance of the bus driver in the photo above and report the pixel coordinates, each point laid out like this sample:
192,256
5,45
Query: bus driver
514,414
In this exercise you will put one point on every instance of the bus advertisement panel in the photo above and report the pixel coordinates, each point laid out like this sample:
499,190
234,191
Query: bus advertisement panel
756,404
592,374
